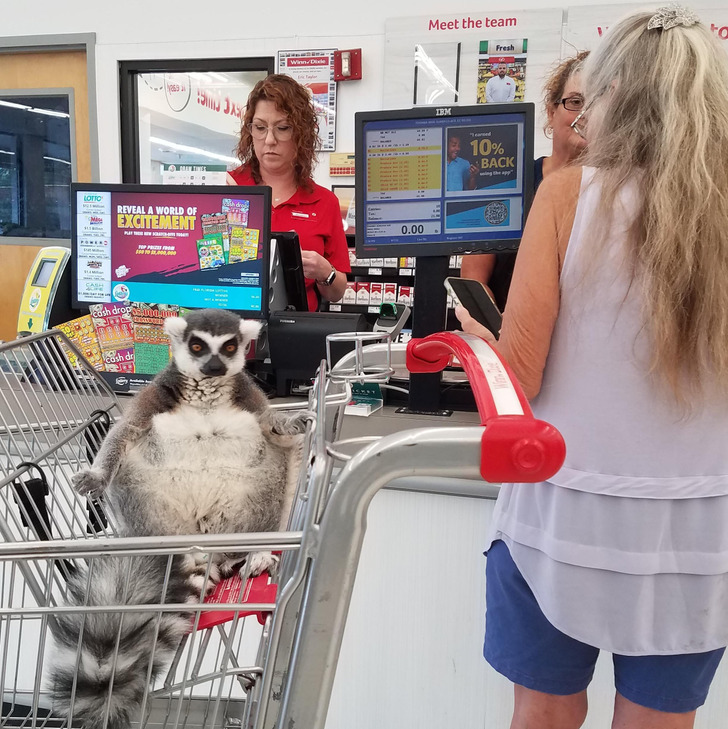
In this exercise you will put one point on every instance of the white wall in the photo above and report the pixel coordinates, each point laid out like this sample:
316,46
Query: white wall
138,30
411,657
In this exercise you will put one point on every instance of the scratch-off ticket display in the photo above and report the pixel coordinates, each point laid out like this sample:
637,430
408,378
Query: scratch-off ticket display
171,245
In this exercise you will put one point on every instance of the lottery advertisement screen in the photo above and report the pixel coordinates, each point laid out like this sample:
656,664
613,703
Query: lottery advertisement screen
443,181
192,246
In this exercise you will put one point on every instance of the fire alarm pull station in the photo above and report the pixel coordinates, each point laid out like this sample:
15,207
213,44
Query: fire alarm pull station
347,65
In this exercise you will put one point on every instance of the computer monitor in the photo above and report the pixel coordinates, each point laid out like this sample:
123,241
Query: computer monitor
191,246
442,181
433,182
297,341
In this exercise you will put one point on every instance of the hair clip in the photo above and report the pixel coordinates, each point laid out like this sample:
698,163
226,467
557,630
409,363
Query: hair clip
672,15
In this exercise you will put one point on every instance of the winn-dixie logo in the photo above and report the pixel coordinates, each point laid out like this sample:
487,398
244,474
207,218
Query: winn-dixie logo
317,61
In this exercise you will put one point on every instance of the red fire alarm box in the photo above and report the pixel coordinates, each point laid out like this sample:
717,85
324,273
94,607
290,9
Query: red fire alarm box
347,65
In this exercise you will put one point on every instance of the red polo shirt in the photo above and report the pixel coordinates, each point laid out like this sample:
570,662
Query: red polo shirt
316,217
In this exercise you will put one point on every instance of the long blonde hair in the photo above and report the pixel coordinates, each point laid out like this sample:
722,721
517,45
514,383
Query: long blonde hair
660,120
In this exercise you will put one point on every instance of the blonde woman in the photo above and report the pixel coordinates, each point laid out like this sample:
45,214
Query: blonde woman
617,327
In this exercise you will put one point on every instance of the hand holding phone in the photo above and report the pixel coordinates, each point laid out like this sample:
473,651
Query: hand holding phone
476,299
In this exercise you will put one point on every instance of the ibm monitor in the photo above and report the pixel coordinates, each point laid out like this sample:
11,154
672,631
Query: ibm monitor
441,181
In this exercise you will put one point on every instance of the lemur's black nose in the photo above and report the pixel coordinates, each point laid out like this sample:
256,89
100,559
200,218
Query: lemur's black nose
214,367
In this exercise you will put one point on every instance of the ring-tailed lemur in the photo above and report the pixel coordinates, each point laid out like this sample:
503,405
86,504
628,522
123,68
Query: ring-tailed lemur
198,451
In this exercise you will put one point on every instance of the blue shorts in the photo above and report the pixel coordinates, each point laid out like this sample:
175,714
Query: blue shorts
521,644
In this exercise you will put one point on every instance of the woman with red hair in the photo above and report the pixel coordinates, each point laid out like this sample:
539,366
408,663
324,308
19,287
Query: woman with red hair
278,145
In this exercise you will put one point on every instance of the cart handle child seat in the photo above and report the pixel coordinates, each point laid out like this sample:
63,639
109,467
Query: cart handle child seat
515,447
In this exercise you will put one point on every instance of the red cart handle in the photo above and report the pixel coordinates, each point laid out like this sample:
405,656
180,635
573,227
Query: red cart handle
515,445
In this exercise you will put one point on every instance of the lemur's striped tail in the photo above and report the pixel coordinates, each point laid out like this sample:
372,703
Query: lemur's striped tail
104,661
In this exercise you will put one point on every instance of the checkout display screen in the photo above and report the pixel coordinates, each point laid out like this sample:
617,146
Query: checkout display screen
193,246
443,181
43,274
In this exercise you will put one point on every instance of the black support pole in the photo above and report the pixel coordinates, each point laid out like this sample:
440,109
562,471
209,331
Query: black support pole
429,315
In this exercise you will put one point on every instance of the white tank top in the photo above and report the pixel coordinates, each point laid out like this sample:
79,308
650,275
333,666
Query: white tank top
623,436
577,540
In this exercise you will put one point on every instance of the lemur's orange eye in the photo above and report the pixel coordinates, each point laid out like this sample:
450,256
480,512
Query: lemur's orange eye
196,347
230,348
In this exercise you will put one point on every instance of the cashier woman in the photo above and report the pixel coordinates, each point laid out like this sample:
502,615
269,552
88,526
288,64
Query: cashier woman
277,147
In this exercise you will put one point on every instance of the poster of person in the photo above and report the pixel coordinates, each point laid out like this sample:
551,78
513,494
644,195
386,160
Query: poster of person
315,71
502,71
482,158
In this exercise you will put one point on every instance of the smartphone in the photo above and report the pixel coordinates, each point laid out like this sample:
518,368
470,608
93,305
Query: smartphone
476,299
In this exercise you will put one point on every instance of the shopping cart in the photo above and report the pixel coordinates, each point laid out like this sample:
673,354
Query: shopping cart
260,653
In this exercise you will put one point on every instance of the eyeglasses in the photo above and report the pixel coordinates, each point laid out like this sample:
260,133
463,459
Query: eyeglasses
572,103
579,124
282,132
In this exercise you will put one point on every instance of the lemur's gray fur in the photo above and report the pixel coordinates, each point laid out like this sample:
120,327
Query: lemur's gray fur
198,451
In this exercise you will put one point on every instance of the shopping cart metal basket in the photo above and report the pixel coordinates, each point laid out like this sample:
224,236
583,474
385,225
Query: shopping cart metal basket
260,653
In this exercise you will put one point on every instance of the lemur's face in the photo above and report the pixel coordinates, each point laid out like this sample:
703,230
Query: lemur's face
215,350
211,356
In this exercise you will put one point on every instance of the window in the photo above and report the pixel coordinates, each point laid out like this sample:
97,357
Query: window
36,167
182,116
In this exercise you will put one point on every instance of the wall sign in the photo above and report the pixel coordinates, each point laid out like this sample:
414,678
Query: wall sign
459,48
315,71
586,25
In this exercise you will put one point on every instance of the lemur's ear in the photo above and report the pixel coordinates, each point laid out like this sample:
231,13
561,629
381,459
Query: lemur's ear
250,329
175,326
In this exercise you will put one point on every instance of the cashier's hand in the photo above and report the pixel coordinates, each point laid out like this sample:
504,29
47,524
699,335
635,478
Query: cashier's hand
470,326
315,266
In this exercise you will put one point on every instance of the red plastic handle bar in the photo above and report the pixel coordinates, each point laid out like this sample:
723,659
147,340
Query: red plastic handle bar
515,445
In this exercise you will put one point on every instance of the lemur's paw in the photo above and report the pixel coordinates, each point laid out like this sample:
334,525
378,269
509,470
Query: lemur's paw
203,576
285,428
89,482
258,562
292,424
